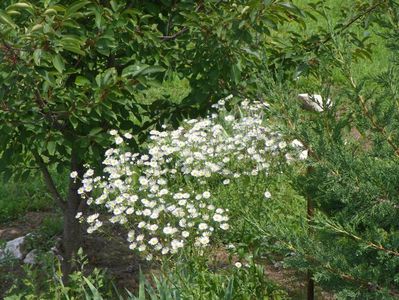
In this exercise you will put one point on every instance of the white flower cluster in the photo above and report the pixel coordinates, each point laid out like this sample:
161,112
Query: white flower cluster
220,144
163,196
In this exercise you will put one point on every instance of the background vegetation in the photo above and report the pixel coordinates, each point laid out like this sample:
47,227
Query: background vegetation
88,67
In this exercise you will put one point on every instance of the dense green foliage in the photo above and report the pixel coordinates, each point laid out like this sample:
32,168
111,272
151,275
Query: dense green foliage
351,243
73,70
86,67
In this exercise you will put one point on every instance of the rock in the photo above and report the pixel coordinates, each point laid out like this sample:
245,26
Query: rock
314,102
14,248
30,258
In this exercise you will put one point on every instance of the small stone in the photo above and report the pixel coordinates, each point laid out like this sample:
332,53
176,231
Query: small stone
13,248
314,102
30,258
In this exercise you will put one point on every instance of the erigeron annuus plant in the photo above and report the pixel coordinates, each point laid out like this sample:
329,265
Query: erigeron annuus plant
164,196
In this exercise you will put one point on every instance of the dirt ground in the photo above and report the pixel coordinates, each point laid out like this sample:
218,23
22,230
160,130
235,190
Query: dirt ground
111,252
22,226
10,231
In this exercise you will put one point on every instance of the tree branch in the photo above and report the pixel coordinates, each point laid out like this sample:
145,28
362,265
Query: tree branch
49,180
53,117
183,30
354,20
173,36
373,121
358,238
327,267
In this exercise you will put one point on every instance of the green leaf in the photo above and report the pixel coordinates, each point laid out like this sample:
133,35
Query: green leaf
133,70
109,76
292,8
141,286
19,5
236,73
37,54
5,19
74,121
82,81
95,131
72,44
50,11
13,13
51,146
152,70
303,68
95,293
58,63
75,7
105,44
252,52
36,27
141,69
229,290
98,18
74,49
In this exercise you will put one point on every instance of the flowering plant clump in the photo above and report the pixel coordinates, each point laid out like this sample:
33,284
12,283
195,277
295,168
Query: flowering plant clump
164,196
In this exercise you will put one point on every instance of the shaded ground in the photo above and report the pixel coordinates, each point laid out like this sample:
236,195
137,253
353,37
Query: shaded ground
291,281
11,230
23,226
111,253
104,252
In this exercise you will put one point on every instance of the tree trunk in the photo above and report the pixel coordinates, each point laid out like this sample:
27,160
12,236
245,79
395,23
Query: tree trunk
70,243
72,234
310,216
71,239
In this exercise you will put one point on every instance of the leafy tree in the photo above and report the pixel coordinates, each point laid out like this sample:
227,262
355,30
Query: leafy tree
72,70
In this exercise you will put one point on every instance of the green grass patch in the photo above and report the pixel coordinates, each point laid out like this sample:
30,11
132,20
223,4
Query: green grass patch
17,198
332,9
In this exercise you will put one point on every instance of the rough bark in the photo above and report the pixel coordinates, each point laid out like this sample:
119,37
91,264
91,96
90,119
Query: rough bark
310,216
71,239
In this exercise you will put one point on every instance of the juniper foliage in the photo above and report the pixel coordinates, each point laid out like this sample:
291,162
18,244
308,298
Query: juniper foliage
351,244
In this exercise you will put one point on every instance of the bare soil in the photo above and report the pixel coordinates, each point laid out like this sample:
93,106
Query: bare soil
111,253
13,230
23,226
